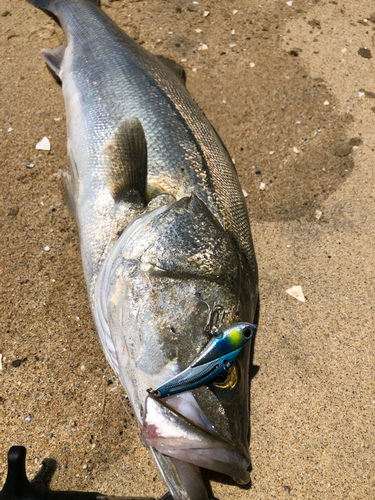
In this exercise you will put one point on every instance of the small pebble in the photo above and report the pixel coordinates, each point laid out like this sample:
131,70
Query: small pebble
10,129
233,32
206,13
16,363
262,186
231,45
30,165
198,30
224,101
46,249
365,52
235,11
83,368
318,214
326,103
296,150
290,3
13,211
252,65
203,47
44,144
246,194
272,152
361,94
28,419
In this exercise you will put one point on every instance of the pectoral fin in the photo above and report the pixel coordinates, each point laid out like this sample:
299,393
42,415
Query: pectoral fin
127,161
54,58
68,186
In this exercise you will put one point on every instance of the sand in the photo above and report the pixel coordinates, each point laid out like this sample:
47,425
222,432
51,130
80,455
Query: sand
290,89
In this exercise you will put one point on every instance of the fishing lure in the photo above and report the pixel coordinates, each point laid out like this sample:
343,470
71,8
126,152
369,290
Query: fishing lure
216,359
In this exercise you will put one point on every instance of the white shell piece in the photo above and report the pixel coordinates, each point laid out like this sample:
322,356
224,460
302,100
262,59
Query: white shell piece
318,214
297,293
44,144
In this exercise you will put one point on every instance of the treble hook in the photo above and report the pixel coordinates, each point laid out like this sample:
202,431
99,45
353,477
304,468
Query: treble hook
210,327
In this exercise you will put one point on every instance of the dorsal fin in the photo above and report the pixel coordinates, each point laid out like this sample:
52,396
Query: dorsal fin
127,165
177,69
54,58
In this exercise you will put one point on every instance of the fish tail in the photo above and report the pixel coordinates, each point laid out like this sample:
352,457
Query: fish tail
48,4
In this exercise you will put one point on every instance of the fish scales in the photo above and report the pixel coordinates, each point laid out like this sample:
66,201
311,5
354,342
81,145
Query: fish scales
174,125
165,240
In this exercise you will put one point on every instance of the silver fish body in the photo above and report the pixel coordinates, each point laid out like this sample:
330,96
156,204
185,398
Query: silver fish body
165,240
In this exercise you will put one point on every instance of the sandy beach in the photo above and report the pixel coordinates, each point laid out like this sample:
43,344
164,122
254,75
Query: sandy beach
290,88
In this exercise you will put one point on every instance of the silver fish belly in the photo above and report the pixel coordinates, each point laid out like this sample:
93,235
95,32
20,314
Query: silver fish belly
165,238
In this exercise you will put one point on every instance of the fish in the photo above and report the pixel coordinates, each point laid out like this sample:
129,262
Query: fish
165,239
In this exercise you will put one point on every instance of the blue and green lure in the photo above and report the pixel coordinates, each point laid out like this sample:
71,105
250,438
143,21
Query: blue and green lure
216,359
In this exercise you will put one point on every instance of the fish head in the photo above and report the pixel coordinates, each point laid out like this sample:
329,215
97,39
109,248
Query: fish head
173,278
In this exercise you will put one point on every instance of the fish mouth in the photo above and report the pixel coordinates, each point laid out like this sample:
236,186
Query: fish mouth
177,436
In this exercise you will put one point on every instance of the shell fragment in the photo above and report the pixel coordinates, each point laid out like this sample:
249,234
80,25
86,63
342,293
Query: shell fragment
44,144
297,293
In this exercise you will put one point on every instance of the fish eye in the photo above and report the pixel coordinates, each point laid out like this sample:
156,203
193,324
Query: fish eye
228,380
247,332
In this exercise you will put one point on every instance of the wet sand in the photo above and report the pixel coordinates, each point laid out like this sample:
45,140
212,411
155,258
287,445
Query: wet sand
291,91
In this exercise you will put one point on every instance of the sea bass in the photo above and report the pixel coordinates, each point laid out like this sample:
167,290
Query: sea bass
166,245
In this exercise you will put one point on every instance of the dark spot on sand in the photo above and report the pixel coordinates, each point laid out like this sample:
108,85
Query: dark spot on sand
364,52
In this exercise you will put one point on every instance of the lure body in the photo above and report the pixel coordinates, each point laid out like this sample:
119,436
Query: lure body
216,359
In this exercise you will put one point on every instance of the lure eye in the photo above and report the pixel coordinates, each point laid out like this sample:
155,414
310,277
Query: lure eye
247,332
228,380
